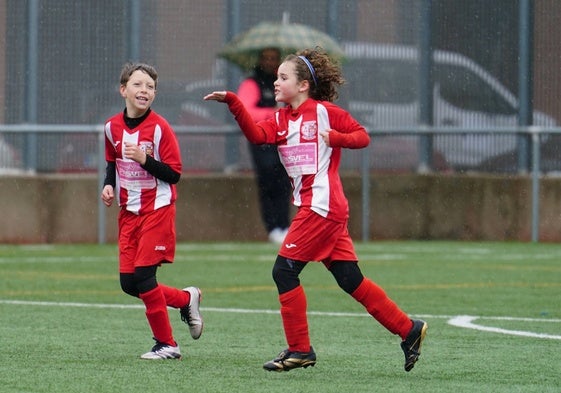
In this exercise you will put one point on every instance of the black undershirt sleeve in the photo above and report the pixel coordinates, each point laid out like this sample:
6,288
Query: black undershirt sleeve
110,175
161,170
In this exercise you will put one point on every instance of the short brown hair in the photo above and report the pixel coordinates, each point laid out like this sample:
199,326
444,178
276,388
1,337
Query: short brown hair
130,67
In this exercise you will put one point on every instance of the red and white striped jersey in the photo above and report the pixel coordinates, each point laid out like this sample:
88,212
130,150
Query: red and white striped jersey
137,190
312,165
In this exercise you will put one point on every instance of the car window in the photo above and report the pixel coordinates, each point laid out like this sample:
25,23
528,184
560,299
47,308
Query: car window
464,89
383,81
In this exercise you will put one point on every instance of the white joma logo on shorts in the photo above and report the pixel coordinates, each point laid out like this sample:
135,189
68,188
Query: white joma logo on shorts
290,245
160,248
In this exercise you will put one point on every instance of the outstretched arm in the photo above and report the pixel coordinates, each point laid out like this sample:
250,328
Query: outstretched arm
252,131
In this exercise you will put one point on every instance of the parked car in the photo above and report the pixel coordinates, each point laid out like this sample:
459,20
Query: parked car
383,94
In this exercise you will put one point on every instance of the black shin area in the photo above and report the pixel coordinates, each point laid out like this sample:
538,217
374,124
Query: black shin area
285,273
347,274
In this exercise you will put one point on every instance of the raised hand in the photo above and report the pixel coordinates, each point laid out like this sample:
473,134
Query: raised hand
219,96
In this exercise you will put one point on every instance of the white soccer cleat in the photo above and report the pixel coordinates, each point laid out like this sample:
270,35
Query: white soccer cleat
191,315
162,351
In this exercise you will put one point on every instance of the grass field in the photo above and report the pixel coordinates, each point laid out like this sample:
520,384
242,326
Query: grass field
65,325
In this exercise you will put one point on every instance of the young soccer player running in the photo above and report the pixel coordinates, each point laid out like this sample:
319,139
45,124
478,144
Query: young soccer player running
143,166
310,132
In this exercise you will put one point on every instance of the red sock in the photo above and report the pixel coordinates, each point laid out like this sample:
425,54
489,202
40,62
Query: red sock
175,298
157,315
382,308
294,319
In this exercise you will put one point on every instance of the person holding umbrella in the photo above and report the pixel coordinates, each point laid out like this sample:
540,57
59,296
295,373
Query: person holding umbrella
310,132
258,95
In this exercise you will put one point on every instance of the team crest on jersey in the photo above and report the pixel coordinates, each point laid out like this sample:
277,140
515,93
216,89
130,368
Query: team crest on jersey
309,130
147,147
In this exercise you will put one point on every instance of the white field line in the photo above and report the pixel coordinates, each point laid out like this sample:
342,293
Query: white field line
463,321
466,321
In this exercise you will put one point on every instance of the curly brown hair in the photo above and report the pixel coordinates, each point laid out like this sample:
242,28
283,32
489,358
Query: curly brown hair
326,77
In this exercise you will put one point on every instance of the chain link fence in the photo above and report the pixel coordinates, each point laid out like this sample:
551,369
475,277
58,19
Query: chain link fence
61,61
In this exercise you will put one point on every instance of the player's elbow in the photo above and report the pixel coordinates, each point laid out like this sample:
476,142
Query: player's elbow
364,141
174,177
256,135
257,140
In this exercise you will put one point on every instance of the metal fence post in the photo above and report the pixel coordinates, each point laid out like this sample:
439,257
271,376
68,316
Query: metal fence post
31,95
525,78
535,137
425,88
233,17
101,221
365,189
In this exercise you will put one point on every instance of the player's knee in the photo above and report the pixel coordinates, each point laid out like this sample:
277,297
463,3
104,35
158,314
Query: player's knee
127,284
285,274
347,274
145,278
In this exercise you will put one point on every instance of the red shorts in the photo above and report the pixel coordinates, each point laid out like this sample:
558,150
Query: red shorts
314,238
146,240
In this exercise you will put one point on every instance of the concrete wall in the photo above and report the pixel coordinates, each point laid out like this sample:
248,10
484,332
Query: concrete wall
64,208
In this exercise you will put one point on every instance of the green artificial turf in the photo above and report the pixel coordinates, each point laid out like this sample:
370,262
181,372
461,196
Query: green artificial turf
66,326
